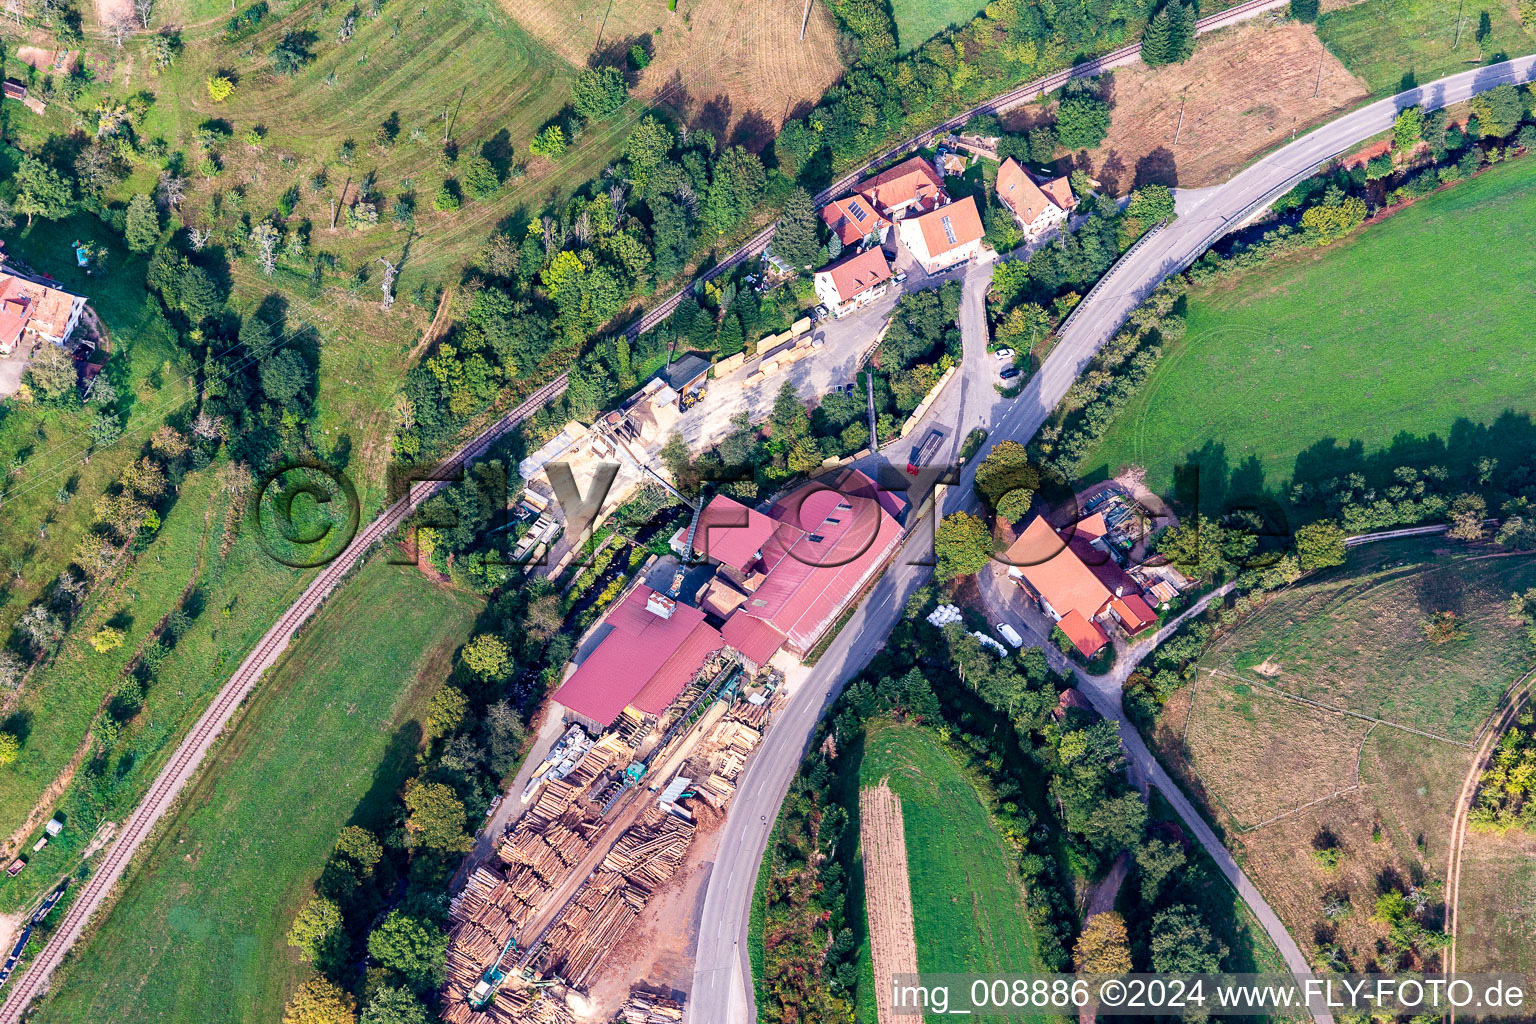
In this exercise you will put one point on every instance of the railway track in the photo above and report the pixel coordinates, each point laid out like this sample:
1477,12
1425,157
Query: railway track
173,778
189,754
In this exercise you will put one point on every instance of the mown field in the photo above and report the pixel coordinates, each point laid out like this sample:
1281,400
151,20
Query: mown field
1397,44
966,903
1383,791
1355,640
330,735
918,21
1496,916
1402,327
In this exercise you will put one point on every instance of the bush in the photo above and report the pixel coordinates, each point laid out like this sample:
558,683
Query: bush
447,198
220,88
480,178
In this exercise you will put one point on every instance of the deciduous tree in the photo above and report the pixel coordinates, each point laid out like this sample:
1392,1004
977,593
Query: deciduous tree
486,656
446,711
41,191
1103,948
436,819
141,224
1320,545
1007,481
1182,944
52,376
962,546
107,638
320,1001
317,930
415,948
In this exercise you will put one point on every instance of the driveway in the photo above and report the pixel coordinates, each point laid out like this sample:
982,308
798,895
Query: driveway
837,360
11,367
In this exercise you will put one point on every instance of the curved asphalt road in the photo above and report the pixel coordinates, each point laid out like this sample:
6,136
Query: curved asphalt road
722,978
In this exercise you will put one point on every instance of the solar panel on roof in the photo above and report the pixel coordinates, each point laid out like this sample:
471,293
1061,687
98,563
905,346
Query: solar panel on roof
857,211
949,230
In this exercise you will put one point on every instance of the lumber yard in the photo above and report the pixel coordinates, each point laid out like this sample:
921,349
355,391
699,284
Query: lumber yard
531,929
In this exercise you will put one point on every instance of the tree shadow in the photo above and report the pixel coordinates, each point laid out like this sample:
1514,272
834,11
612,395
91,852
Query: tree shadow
1157,168
753,131
1111,172
498,150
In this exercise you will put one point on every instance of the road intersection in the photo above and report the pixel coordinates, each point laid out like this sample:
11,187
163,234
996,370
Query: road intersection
722,986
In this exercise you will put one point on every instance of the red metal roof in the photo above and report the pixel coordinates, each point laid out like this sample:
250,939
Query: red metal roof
644,660
844,536
730,533
754,638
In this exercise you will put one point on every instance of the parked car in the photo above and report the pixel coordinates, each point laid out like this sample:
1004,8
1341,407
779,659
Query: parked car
820,313
1004,353
1010,634
1009,372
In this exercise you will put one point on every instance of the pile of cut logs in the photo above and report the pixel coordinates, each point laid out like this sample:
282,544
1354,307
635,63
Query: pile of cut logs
644,859
644,1008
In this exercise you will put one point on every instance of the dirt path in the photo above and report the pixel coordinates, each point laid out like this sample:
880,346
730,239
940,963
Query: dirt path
887,893
1514,702
1102,897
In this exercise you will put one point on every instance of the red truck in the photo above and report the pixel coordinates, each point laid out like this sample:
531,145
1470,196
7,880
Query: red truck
923,453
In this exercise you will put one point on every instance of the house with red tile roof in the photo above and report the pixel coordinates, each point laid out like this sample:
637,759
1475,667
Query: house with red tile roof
855,221
945,237
912,186
1076,584
33,310
1039,207
853,282
652,648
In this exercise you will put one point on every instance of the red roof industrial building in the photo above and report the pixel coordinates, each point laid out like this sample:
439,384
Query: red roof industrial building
800,566
653,648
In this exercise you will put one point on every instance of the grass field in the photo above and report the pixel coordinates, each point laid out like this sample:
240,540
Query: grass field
966,902
1496,918
1396,44
918,21
738,70
1357,342
1383,793
231,597
42,447
326,741
1353,638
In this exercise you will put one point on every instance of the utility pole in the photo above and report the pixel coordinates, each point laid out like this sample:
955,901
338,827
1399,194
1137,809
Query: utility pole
1459,7
388,288
1322,56
1183,100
